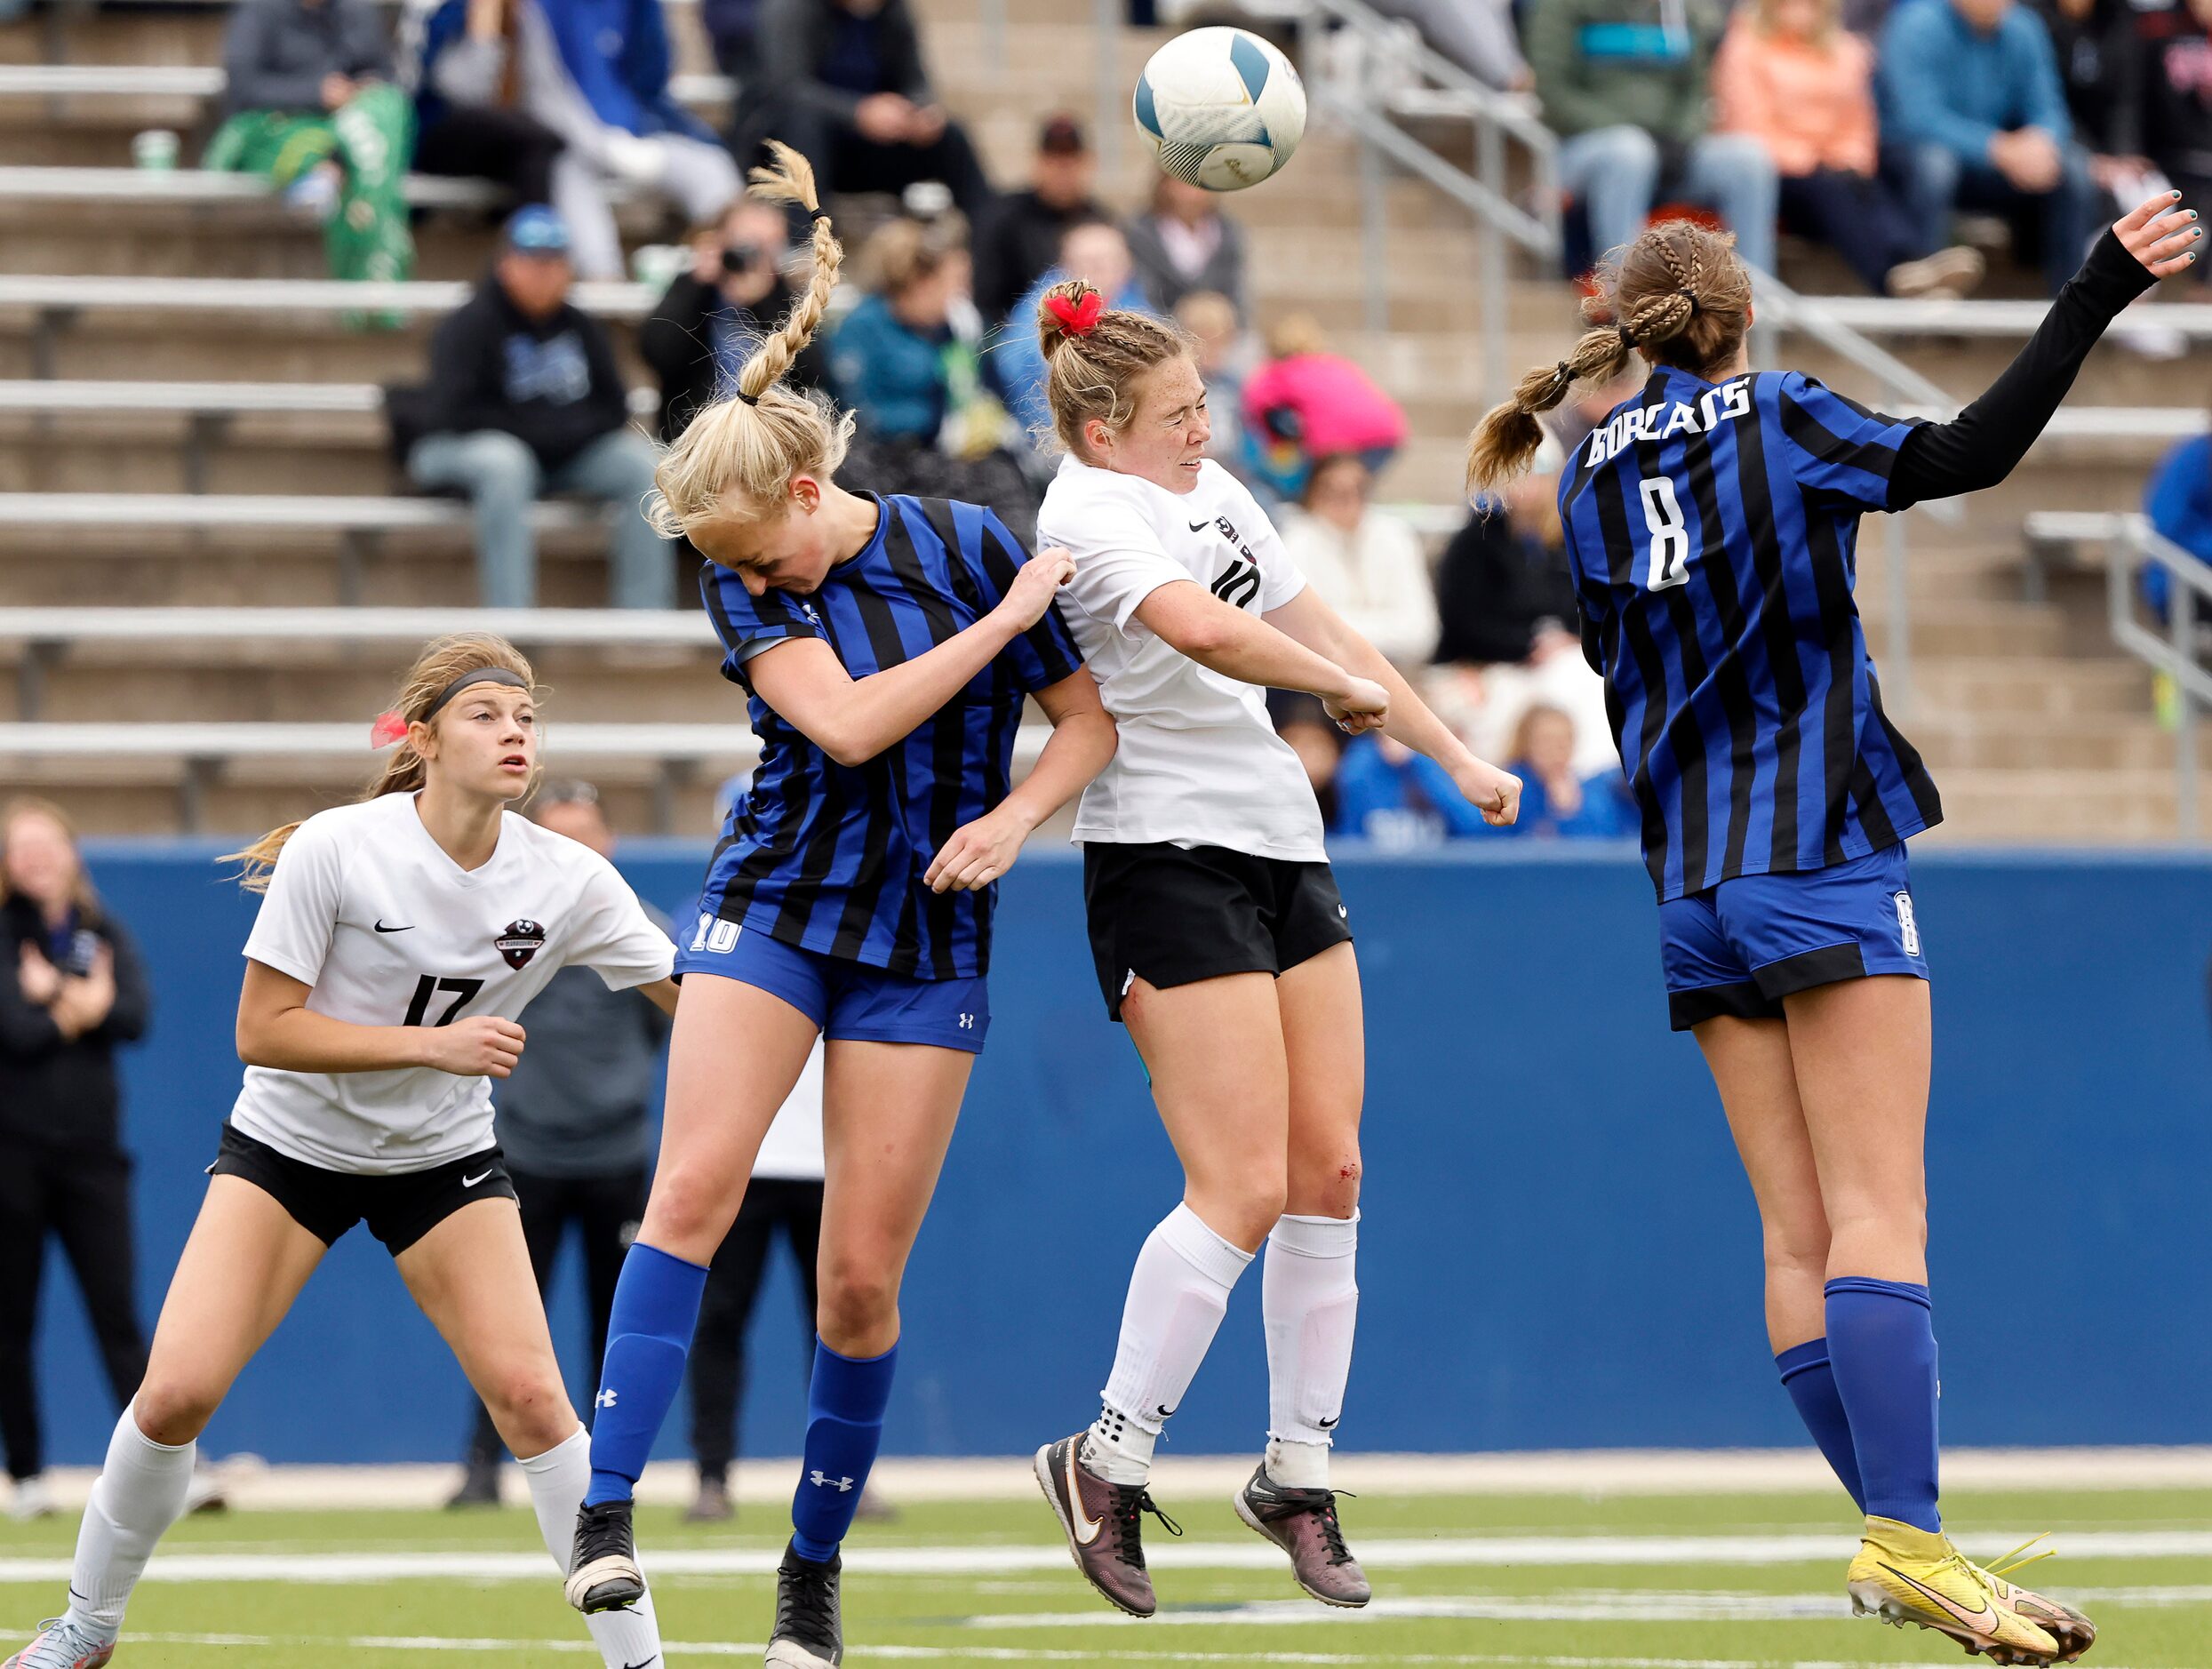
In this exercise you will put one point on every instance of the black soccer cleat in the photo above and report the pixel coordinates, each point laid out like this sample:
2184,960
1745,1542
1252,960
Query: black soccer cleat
810,1629
602,1573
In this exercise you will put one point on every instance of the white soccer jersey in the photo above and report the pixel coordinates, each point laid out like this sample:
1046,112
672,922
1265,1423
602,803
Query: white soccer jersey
1199,763
368,911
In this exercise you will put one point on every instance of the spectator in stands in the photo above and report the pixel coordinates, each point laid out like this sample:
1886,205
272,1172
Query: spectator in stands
1307,404
709,318
1022,237
1790,77
2178,501
2161,117
1973,110
1185,243
1223,355
72,988
1303,722
1478,36
470,123
1625,83
1093,251
906,362
1388,793
524,399
1557,802
571,1122
595,72
733,31
1364,562
843,82
312,105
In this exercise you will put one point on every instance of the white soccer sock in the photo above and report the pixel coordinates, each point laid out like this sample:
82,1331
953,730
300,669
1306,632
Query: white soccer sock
628,1639
140,1493
1311,1299
1178,1294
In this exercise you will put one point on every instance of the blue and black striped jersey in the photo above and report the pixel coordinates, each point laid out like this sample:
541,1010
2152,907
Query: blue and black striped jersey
1712,529
830,857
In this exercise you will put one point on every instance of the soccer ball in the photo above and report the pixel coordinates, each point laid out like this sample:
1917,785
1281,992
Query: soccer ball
1222,108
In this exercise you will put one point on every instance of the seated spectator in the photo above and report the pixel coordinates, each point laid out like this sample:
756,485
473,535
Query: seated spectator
733,32
1307,404
1789,76
1302,722
2178,501
1975,116
523,400
1186,244
1625,84
1476,35
1093,251
905,363
312,106
842,83
1556,802
1022,237
469,119
595,72
1365,563
2162,115
1388,793
710,318
1223,353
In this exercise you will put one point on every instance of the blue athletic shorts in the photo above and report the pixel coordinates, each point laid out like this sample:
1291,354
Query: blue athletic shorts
1742,947
848,999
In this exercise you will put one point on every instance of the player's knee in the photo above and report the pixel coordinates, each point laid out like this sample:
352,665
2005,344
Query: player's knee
1325,1183
858,1304
530,1406
1245,1208
691,1209
172,1410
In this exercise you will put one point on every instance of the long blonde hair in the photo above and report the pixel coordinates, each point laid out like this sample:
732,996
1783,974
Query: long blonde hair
1679,294
23,806
440,662
1089,375
761,434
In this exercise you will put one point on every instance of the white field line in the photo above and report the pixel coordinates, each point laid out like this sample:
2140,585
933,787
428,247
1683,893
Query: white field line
1602,1471
1426,1553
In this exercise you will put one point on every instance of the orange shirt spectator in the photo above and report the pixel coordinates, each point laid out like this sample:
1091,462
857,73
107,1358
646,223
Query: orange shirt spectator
1787,74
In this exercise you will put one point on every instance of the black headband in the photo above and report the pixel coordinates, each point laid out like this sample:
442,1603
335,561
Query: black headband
476,676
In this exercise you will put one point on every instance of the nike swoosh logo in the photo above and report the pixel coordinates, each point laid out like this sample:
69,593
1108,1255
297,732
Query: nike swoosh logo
648,1662
1980,1620
1327,1424
382,928
1199,527
470,1182
1091,1526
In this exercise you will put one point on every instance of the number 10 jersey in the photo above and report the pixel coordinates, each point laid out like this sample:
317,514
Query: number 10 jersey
385,929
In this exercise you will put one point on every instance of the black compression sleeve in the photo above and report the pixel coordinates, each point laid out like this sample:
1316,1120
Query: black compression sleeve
1979,447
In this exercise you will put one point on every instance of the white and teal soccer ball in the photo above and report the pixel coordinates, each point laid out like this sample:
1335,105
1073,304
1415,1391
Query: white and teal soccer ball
1223,109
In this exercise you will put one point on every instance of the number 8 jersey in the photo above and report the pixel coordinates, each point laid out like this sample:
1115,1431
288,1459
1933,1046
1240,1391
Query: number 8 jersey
1712,529
385,929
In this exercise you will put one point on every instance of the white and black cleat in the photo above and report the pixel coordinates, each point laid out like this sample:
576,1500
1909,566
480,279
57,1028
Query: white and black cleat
603,1574
809,1624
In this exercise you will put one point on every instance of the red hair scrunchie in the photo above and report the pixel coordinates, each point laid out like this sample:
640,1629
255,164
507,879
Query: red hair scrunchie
388,727
1077,318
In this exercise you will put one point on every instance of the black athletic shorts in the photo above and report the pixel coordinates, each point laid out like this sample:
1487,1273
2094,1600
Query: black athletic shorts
1172,915
400,1208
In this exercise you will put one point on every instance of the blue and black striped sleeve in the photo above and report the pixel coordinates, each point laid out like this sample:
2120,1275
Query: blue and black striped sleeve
1046,653
746,624
1835,446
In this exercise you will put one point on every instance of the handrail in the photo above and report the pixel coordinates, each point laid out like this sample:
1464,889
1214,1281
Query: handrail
2133,541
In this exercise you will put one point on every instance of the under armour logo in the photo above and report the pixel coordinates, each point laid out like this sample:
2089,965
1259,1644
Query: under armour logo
967,1022
604,1400
821,1481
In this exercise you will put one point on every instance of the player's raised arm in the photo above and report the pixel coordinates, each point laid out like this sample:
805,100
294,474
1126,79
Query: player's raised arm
277,1029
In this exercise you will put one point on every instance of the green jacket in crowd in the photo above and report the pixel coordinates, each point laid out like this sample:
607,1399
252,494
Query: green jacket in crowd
1639,63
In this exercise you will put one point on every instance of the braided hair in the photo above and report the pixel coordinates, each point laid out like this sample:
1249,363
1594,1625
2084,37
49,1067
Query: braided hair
1680,295
1090,370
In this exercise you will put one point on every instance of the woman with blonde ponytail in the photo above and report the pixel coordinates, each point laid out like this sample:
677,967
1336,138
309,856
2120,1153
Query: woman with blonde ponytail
1711,524
889,646
398,939
1217,932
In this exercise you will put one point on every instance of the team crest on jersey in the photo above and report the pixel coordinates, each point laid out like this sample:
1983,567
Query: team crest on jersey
519,941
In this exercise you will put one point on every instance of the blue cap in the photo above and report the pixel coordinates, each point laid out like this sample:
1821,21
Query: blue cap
535,229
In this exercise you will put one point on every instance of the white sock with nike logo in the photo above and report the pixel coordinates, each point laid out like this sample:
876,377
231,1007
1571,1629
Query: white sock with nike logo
1177,1294
140,1493
628,1639
1309,1298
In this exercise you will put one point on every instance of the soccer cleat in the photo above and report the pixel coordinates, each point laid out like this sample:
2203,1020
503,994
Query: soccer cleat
712,1505
1101,1521
603,1575
2074,1631
1907,1575
479,1487
62,1644
809,1632
1303,1523
33,1499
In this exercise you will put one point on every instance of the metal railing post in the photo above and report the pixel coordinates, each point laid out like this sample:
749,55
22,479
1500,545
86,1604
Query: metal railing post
1490,152
992,15
1106,135
2181,622
1898,676
1374,236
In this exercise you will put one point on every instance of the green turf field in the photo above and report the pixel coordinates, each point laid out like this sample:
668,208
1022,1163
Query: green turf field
1663,1582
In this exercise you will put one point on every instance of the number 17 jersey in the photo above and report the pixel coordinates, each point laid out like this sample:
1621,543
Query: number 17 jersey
369,912
1712,529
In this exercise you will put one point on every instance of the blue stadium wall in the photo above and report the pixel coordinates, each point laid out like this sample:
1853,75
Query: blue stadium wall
1559,1249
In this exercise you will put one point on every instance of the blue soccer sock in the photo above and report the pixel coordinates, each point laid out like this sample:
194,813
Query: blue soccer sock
844,1427
1811,1383
1881,1344
649,1334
